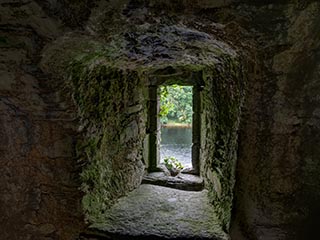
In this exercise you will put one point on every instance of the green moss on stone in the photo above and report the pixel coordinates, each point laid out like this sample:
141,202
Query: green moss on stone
111,79
103,93
223,97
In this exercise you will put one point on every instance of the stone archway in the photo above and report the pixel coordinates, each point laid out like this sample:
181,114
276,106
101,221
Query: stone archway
110,84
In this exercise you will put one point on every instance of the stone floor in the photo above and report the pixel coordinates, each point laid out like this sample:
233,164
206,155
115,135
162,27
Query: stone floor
156,212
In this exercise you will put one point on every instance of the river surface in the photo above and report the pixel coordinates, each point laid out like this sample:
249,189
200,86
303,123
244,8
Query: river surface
176,142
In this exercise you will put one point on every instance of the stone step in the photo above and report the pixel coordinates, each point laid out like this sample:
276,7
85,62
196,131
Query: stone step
182,181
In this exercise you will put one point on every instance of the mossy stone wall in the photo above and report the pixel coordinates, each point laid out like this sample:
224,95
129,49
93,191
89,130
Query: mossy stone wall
222,99
110,81
111,107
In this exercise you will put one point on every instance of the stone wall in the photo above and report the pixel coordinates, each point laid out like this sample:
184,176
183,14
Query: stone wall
112,109
103,72
39,196
278,160
44,132
222,99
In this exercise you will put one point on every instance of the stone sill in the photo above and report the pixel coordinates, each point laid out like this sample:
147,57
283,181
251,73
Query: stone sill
182,181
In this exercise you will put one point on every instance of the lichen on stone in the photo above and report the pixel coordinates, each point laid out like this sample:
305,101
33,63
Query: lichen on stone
112,133
110,78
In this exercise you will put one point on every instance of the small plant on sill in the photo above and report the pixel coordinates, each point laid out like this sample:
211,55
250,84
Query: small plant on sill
173,165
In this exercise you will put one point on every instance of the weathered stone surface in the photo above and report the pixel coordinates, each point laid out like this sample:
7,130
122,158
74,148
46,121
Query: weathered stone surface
162,212
111,137
39,195
277,192
181,181
278,161
110,78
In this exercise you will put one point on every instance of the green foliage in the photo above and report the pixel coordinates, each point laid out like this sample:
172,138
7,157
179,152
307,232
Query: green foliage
165,105
172,163
176,104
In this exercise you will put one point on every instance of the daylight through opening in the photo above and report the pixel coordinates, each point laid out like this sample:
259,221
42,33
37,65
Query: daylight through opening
176,114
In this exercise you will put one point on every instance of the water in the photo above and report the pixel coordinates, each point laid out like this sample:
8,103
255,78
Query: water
176,142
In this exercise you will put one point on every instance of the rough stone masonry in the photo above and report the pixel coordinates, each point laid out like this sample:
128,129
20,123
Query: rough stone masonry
69,149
